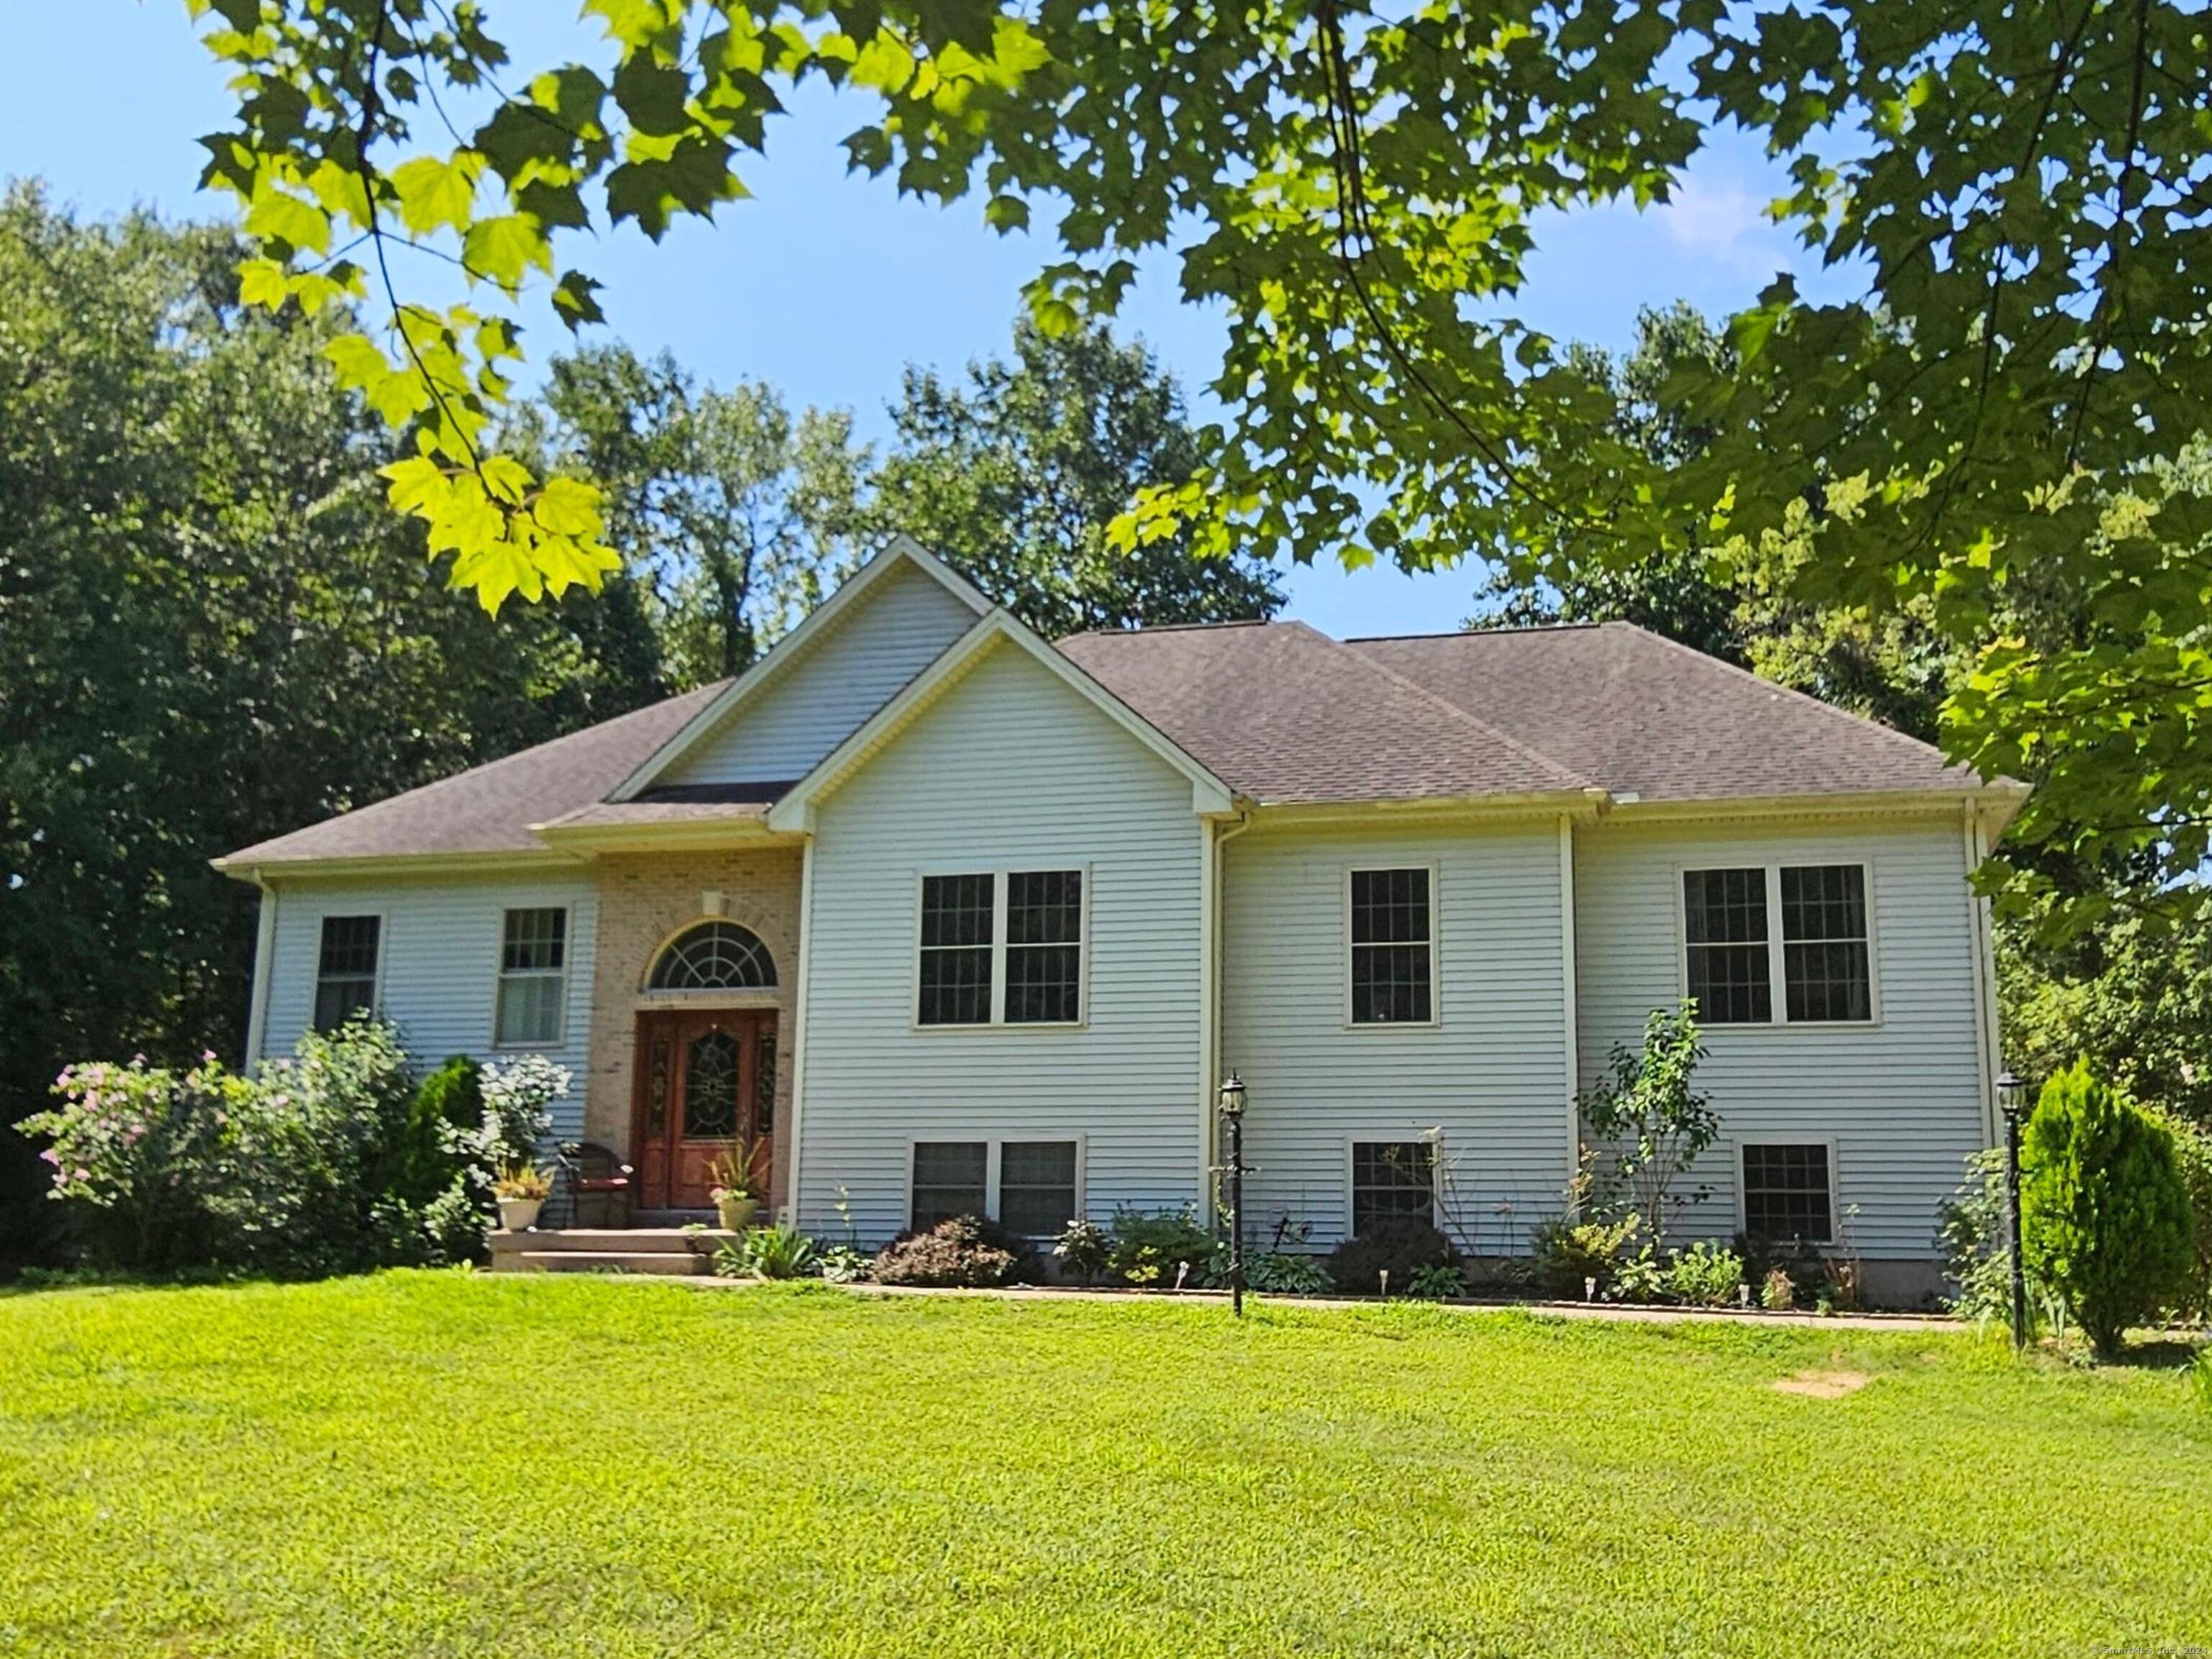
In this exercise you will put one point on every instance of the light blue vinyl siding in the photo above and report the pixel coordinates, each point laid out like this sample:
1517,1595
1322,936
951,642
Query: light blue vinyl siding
1009,769
1490,1074
438,964
1901,1099
899,628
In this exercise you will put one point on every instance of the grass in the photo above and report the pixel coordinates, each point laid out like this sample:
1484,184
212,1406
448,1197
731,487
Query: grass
426,1464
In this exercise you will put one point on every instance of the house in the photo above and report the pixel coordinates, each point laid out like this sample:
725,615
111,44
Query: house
963,919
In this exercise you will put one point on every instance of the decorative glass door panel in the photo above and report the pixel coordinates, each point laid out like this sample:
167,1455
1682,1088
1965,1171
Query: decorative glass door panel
704,1080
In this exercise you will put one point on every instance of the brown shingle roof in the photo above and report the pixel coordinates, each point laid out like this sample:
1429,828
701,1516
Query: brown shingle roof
1645,715
490,808
1281,713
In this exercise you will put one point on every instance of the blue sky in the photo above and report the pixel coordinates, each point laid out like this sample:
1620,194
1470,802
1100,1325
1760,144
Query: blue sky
827,285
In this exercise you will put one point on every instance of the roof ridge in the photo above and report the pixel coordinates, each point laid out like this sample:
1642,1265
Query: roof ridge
1468,717
1476,633
1142,628
1761,680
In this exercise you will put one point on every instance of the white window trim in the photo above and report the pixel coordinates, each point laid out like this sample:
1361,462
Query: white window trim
994,1141
1835,1182
1436,1020
1777,969
999,1022
383,956
500,976
1374,1137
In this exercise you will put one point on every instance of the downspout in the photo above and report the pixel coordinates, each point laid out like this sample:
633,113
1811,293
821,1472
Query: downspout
264,948
798,1021
1571,996
1211,973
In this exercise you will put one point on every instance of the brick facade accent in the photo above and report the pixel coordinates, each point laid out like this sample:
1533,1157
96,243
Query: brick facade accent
646,899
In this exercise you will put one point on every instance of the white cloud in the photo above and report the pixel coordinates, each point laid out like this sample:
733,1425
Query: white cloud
1726,223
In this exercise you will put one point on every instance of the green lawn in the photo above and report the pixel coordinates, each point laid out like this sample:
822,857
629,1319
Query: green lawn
431,1464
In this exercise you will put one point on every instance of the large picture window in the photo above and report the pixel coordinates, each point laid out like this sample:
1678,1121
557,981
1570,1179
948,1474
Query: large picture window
1002,947
1788,1193
345,969
1028,1187
1804,926
533,977
1393,947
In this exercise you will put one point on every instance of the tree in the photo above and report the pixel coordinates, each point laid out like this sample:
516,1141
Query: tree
2105,1213
212,630
733,516
1658,1123
1891,664
2014,399
1017,477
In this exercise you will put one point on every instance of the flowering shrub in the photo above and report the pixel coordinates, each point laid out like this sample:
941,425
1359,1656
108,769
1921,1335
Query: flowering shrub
332,1161
135,1148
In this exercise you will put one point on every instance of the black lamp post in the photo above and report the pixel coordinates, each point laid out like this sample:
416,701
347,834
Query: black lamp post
2012,1095
1232,1114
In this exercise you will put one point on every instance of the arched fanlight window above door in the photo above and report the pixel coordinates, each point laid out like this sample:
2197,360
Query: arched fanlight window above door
714,956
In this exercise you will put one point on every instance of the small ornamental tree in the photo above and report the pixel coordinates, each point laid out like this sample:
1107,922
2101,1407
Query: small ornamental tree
1655,1123
2105,1214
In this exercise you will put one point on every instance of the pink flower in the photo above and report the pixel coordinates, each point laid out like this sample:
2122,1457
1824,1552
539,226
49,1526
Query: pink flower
84,1174
52,1156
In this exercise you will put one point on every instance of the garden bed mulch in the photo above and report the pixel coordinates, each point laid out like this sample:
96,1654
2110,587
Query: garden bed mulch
1625,1313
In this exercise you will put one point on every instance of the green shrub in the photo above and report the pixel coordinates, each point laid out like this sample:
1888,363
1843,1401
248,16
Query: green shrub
2202,1372
1706,1276
1971,1233
2105,1212
1399,1246
2192,1146
1569,1253
1440,1281
1284,1273
961,1251
1157,1247
776,1252
845,1264
1084,1250
333,1161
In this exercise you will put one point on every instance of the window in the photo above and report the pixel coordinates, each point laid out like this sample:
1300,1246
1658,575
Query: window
1733,955
1036,1186
1391,1179
1786,1193
950,1177
1824,943
1393,948
955,949
714,956
1724,916
533,977
345,969
1002,946
1028,1187
1044,946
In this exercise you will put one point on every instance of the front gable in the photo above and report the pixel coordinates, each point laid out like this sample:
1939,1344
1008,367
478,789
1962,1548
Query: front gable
891,620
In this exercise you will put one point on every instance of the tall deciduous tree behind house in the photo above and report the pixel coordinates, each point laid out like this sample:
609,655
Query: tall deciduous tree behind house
213,629
733,517
1016,473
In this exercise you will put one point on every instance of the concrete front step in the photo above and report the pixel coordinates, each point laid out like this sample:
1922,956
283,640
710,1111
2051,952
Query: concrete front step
658,1262
607,1250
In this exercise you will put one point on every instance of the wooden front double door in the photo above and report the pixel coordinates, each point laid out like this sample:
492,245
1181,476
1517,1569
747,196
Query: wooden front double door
704,1080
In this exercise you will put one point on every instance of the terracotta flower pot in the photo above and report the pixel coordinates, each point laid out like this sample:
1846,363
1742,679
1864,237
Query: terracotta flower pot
519,1215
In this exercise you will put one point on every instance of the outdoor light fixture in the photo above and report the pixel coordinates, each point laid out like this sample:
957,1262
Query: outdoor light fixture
2012,1096
1232,1114
1232,1096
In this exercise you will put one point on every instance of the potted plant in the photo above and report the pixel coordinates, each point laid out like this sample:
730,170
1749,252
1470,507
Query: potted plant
521,1189
736,1185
